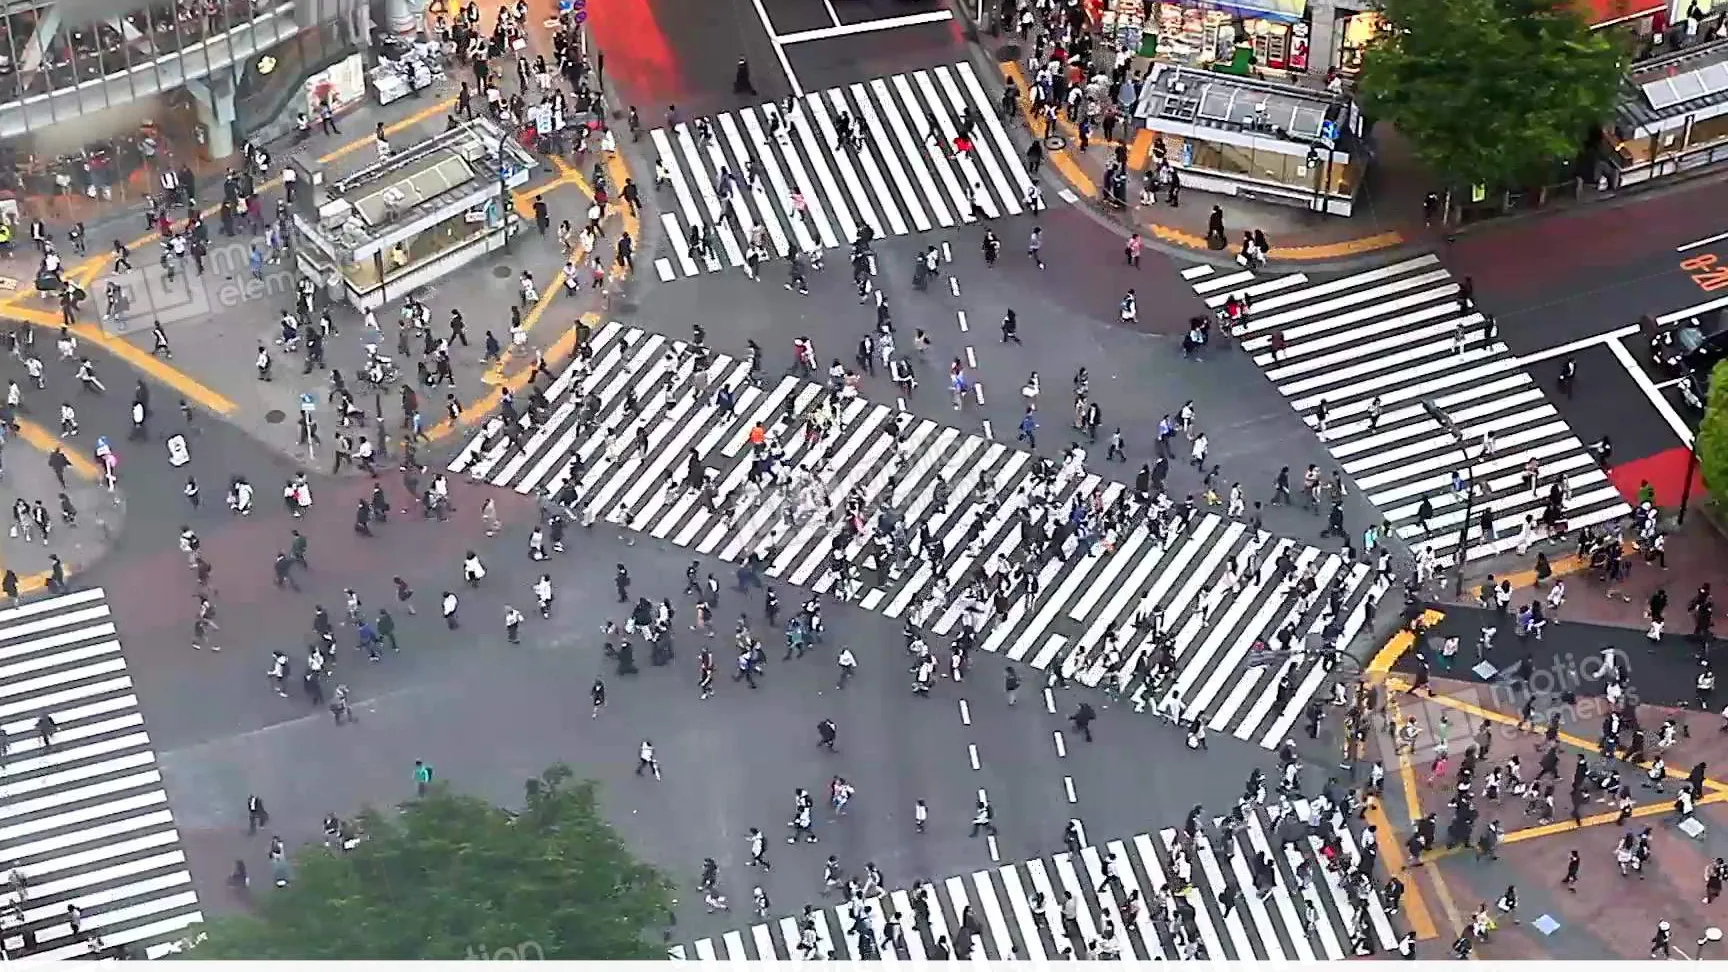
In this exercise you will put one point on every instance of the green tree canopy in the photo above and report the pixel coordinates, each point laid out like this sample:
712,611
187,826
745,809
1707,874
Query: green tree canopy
453,876
1712,442
1491,91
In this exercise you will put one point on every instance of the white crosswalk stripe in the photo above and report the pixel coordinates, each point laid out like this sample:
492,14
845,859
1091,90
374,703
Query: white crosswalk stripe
1216,603
1399,333
85,820
903,179
1308,912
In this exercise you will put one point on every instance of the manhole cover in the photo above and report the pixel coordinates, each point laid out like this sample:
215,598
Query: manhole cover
503,272
1007,52
275,416
1055,143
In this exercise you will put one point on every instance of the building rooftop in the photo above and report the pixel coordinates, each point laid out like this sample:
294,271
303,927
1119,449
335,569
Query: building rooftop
1224,101
361,207
1674,86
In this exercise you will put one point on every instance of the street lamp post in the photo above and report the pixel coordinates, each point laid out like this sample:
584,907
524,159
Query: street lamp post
1452,429
1686,487
504,185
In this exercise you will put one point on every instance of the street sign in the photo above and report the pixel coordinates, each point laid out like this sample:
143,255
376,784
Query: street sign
308,403
1329,131
178,454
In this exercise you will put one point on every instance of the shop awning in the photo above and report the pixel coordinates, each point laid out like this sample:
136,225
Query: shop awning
1288,11
1601,13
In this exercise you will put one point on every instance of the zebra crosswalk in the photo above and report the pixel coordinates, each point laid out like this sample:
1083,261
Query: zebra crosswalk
1400,334
85,821
1223,592
743,170
1309,912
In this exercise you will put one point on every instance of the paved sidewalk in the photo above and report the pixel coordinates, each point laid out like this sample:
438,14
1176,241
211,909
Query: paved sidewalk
28,475
1607,914
215,323
1389,213
1696,554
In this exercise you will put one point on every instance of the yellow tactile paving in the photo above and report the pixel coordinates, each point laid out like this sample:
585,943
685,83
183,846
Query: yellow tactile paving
46,442
1139,149
1397,684
185,385
81,465
1415,902
564,345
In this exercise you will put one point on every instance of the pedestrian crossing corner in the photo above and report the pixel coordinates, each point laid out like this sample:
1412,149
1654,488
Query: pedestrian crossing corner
86,828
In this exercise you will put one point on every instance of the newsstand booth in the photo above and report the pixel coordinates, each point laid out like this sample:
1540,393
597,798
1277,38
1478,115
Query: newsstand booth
400,224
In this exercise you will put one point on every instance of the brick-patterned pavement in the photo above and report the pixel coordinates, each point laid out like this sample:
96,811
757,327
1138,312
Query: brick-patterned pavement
1696,554
1607,915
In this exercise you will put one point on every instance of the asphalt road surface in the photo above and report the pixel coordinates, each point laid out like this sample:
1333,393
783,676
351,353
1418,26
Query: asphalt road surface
1574,286
686,53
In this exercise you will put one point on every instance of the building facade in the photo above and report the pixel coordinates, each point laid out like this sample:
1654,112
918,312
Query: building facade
96,99
1287,40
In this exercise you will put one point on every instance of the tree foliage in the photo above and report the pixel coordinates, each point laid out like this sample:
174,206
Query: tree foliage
1491,91
453,876
1712,444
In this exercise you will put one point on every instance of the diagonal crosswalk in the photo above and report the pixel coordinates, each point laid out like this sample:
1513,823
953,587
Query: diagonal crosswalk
1307,912
1399,333
85,820
739,178
1222,593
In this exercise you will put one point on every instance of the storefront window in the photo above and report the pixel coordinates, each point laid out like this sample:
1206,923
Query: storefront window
1203,35
1265,164
272,83
141,117
1707,131
431,243
1356,32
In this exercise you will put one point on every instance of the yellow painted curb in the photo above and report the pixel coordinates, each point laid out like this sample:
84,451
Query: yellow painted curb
187,386
1597,820
481,410
1560,567
1415,904
1398,644
81,466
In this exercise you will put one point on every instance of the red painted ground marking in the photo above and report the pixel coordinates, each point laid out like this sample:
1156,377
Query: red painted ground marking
1666,470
